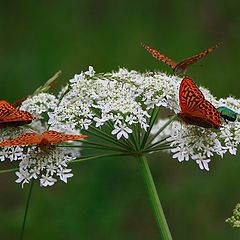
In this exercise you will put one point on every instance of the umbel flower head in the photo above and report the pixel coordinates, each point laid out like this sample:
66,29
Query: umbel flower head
122,112
234,220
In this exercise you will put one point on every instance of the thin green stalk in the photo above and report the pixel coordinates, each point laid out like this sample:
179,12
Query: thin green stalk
99,156
162,128
26,209
157,149
153,196
8,170
136,136
156,143
152,120
88,144
107,137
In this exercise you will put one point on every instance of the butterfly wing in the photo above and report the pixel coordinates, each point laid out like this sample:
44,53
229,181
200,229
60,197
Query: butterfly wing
180,67
23,140
189,95
10,114
160,56
195,108
57,137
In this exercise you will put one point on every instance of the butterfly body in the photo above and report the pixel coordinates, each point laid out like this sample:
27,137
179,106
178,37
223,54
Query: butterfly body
11,117
227,114
180,67
195,109
44,140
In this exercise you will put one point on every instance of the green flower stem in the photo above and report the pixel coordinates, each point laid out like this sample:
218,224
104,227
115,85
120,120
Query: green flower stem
102,135
162,128
152,192
152,120
158,149
162,141
81,159
26,210
105,146
8,170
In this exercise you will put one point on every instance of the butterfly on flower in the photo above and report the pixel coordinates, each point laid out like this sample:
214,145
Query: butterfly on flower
44,140
180,67
12,117
227,114
195,109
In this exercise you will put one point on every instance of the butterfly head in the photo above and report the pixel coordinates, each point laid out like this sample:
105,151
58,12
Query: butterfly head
180,70
45,145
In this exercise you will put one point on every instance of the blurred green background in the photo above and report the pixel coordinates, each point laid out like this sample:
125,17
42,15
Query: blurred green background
106,199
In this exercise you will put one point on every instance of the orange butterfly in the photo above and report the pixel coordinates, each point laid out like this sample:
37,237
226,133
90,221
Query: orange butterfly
195,109
44,140
181,67
11,117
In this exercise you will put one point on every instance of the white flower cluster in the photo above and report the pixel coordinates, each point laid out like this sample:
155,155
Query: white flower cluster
200,144
44,165
123,97
34,163
123,100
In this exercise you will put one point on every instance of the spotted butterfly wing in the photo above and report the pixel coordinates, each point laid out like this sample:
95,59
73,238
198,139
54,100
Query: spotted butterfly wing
10,116
23,140
160,56
181,67
45,139
57,137
195,109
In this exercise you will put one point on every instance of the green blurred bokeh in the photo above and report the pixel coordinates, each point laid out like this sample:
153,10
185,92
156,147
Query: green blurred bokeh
106,198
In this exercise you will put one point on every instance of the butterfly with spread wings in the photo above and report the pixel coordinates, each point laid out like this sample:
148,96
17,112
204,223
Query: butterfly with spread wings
180,67
44,140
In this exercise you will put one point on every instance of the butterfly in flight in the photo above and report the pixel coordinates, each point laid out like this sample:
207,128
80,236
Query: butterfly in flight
12,117
195,109
44,140
180,67
227,114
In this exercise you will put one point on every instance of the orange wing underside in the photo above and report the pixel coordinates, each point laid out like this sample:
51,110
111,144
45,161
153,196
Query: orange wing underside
10,116
160,56
195,109
181,66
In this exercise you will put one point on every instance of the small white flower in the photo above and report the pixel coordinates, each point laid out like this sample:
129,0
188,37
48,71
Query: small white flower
64,174
122,130
23,177
90,71
46,180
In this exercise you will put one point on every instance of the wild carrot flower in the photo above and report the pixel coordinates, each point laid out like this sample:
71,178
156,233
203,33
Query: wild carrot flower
122,109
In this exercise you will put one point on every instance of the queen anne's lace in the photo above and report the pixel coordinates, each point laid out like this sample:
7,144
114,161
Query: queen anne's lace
122,100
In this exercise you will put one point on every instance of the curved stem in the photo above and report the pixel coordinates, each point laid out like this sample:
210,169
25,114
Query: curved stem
152,193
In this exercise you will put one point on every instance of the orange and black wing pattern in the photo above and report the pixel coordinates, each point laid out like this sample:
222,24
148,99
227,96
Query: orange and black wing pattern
195,109
10,116
160,56
181,67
